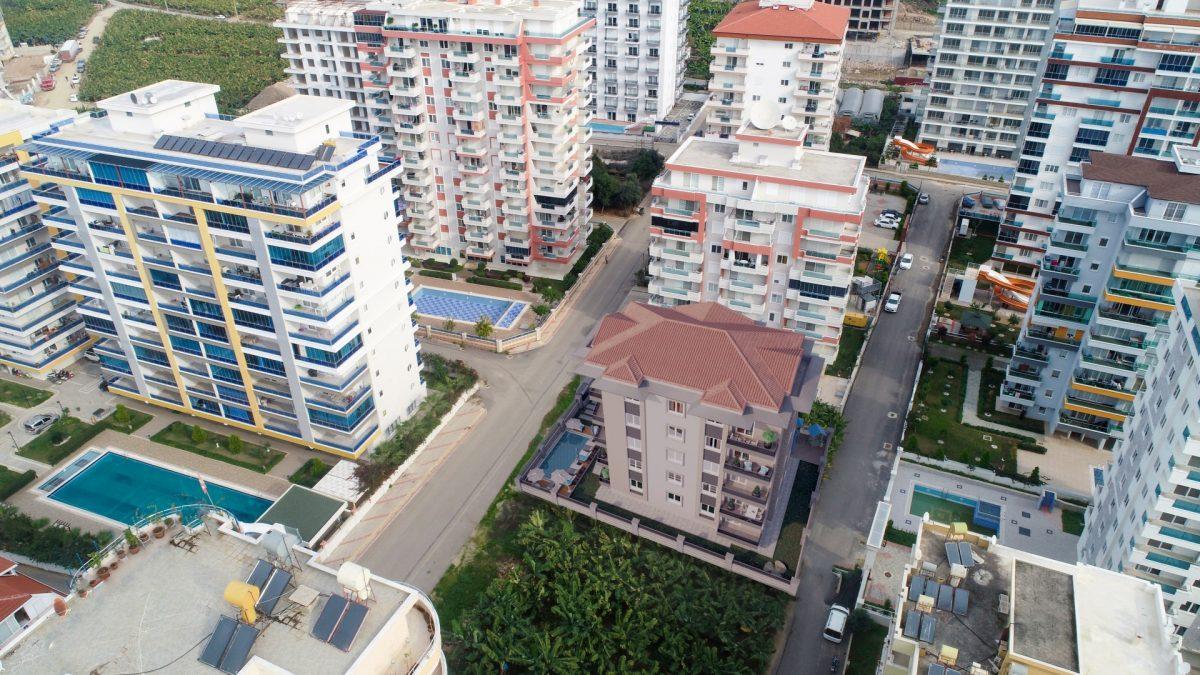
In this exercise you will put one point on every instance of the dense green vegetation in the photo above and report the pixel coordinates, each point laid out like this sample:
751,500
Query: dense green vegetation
263,10
310,473
873,135
977,248
12,482
866,648
621,187
446,381
703,17
795,519
991,380
43,542
849,346
43,22
1072,521
580,597
141,48
829,418
229,449
553,290
900,537
21,395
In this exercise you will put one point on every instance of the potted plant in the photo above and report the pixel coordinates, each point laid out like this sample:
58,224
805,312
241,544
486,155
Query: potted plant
168,522
120,554
132,542
96,562
158,530
143,536
769,437
757,491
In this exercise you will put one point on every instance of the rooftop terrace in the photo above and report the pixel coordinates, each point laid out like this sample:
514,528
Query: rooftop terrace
158,609
814,165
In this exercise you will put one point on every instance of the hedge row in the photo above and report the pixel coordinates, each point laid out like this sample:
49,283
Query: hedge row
436,274
498,283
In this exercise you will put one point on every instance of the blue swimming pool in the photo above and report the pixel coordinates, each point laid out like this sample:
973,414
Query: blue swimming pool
467,307
606,127
126,490
564,452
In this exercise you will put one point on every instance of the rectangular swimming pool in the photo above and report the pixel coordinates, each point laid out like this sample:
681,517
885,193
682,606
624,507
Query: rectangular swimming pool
124,489
564,453
467,308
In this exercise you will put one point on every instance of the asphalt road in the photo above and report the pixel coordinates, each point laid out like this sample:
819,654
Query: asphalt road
875,409
428,534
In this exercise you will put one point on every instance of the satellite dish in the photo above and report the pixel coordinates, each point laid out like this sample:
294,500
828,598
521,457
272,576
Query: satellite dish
789,123
764,115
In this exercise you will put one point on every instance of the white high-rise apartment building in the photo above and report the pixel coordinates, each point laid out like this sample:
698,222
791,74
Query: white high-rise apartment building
1120,77
638,53
788,54
761,224
248,271
983,73
39,329
487,105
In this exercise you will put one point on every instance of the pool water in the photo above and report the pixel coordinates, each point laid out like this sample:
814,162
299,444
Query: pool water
564,453
980,170
126,490
948,508
467,307
607,127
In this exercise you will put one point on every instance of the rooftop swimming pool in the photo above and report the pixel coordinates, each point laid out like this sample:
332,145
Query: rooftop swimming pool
467,307
564,453
123,489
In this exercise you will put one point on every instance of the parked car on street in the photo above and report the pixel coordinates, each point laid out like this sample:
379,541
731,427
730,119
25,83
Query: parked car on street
835,624
906,261
40,422
892,304
923,198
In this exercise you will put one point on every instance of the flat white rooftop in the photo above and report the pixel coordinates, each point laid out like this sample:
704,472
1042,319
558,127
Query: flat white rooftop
537,10
158,608
29,119
814,165
158,96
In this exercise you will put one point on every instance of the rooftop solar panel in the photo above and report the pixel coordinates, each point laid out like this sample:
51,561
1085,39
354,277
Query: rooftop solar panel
952,554
916,587
276,586
945,598
928,629
236,152
965,553
219,642
328,620
912,624
260,573
343,636
962,599
936,669
239,648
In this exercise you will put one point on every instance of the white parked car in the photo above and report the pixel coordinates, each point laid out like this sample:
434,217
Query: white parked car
892,304
835,624
74,98
906,261
923,198
889,222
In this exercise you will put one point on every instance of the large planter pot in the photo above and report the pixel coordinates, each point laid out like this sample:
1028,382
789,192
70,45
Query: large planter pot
159,531
134,550
144,537
120,554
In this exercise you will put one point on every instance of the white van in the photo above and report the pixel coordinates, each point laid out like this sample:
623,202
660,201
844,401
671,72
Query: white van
835,624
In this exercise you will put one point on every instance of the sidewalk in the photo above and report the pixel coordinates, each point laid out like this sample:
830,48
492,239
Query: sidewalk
362,535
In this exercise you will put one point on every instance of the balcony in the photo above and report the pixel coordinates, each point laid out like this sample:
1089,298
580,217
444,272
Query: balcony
748,513
756,444
749,468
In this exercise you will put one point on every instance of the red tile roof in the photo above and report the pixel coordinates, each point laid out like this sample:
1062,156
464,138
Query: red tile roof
821,22
16,590
705,347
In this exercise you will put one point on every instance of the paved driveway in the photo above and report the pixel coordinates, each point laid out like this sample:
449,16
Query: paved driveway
858,476
431,530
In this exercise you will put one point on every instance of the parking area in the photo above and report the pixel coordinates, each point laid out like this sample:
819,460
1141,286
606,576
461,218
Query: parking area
877,237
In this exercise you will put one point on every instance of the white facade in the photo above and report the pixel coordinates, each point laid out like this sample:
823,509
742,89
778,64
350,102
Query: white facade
39,329
638,54
244,270
1145,513
982,75
486,105
791,65
762,225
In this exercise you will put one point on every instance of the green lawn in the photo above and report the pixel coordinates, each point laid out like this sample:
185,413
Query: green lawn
1072,521
11,482
251,456
69,434
21,395
310,473
989,388
945,511
787,549
848,349
866,648
935,430
974,250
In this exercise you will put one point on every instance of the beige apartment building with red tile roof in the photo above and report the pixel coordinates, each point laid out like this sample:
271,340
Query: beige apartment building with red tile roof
700,407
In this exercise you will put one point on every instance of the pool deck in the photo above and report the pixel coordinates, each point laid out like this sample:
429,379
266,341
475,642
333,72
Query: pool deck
32,501
526,321
1017,510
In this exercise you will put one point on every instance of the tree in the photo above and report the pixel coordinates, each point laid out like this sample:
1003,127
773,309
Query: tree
1035,476
604,185
199,435
647,164
541,309
235,444
449,326
628,194
483,327
121,416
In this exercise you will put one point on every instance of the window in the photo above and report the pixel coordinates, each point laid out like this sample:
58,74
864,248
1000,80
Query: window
707,509
674,478
676,499
675,456
675,407
1174,211
781,259
674,433
635,485
633,420
635,464
713,468
712,442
